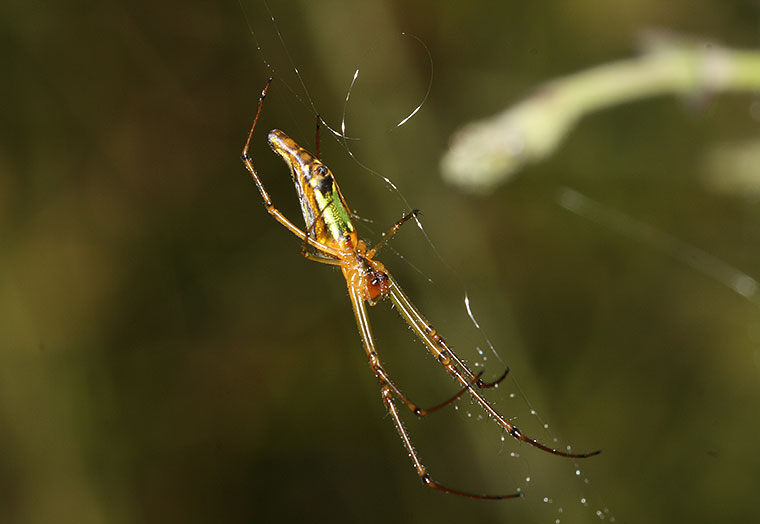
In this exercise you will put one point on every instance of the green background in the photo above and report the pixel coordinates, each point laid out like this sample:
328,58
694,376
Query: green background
166,354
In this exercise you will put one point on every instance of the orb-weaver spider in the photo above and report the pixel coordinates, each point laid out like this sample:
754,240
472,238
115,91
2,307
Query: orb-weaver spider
330,238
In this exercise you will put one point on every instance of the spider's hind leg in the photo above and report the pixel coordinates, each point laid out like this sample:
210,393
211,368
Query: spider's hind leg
387,394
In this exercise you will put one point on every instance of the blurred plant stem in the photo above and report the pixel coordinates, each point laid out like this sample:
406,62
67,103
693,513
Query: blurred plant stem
487,152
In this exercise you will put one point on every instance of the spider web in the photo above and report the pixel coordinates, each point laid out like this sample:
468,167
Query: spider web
556,489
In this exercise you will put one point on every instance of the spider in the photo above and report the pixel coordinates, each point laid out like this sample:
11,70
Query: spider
330,238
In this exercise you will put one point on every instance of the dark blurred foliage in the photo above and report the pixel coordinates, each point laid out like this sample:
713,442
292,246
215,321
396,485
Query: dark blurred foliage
168,356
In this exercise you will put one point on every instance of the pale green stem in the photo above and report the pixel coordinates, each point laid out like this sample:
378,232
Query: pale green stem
487,152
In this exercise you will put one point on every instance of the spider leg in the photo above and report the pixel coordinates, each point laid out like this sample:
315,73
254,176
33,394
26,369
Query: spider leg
479,382
365,331
319,121
322,259
456,367
271,209
386,392
450,400
485,385
392,231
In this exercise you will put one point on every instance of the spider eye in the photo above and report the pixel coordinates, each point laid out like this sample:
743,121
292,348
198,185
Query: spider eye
321,170
379,278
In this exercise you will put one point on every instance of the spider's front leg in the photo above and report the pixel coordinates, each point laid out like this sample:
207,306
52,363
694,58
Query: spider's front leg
270,207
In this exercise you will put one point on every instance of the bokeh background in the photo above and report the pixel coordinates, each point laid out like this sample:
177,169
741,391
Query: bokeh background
166,355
